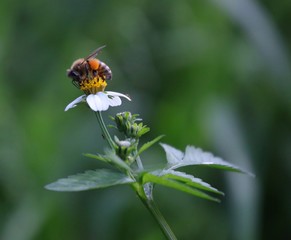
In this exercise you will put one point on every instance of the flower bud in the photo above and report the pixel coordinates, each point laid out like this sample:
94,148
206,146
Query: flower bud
126,149
127,124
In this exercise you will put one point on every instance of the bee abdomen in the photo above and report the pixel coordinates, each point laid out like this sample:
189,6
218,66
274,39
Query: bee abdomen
104,71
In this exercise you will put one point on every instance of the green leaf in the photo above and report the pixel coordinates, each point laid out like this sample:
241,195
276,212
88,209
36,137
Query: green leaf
188,179
99,178
195,156
117,161
143,129
111,158
168,182
97,156
149,144
174,156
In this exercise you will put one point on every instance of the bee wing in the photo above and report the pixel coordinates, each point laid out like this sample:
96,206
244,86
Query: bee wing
95,53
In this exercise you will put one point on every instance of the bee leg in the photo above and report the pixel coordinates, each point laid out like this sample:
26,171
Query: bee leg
76,83
95,73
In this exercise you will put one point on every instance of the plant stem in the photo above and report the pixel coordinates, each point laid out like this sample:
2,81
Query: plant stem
104,130
154,210
150,204
144,195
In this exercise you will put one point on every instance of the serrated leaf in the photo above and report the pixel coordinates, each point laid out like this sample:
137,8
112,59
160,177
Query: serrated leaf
188,179
163,180
174,156
149,144
196,156
100,178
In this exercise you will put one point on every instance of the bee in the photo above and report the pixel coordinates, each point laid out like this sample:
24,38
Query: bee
88,68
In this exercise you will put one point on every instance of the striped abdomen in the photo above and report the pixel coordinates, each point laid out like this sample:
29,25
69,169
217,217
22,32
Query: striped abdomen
104,71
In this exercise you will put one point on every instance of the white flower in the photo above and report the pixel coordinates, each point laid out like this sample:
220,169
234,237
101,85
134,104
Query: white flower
99,101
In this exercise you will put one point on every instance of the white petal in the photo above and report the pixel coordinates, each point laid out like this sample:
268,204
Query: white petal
75,102
114,101
117,94
96,104
104,99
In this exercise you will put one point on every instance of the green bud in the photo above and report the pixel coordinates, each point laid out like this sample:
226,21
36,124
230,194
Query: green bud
126,149
127,123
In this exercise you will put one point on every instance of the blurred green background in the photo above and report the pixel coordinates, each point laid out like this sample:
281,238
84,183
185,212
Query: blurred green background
214,74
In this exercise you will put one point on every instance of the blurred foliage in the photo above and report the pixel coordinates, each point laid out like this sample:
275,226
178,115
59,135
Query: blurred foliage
215,74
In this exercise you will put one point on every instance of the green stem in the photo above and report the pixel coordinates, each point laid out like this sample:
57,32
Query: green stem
104,130
150,204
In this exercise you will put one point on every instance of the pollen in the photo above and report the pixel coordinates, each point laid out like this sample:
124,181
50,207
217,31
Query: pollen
92,86
94,63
